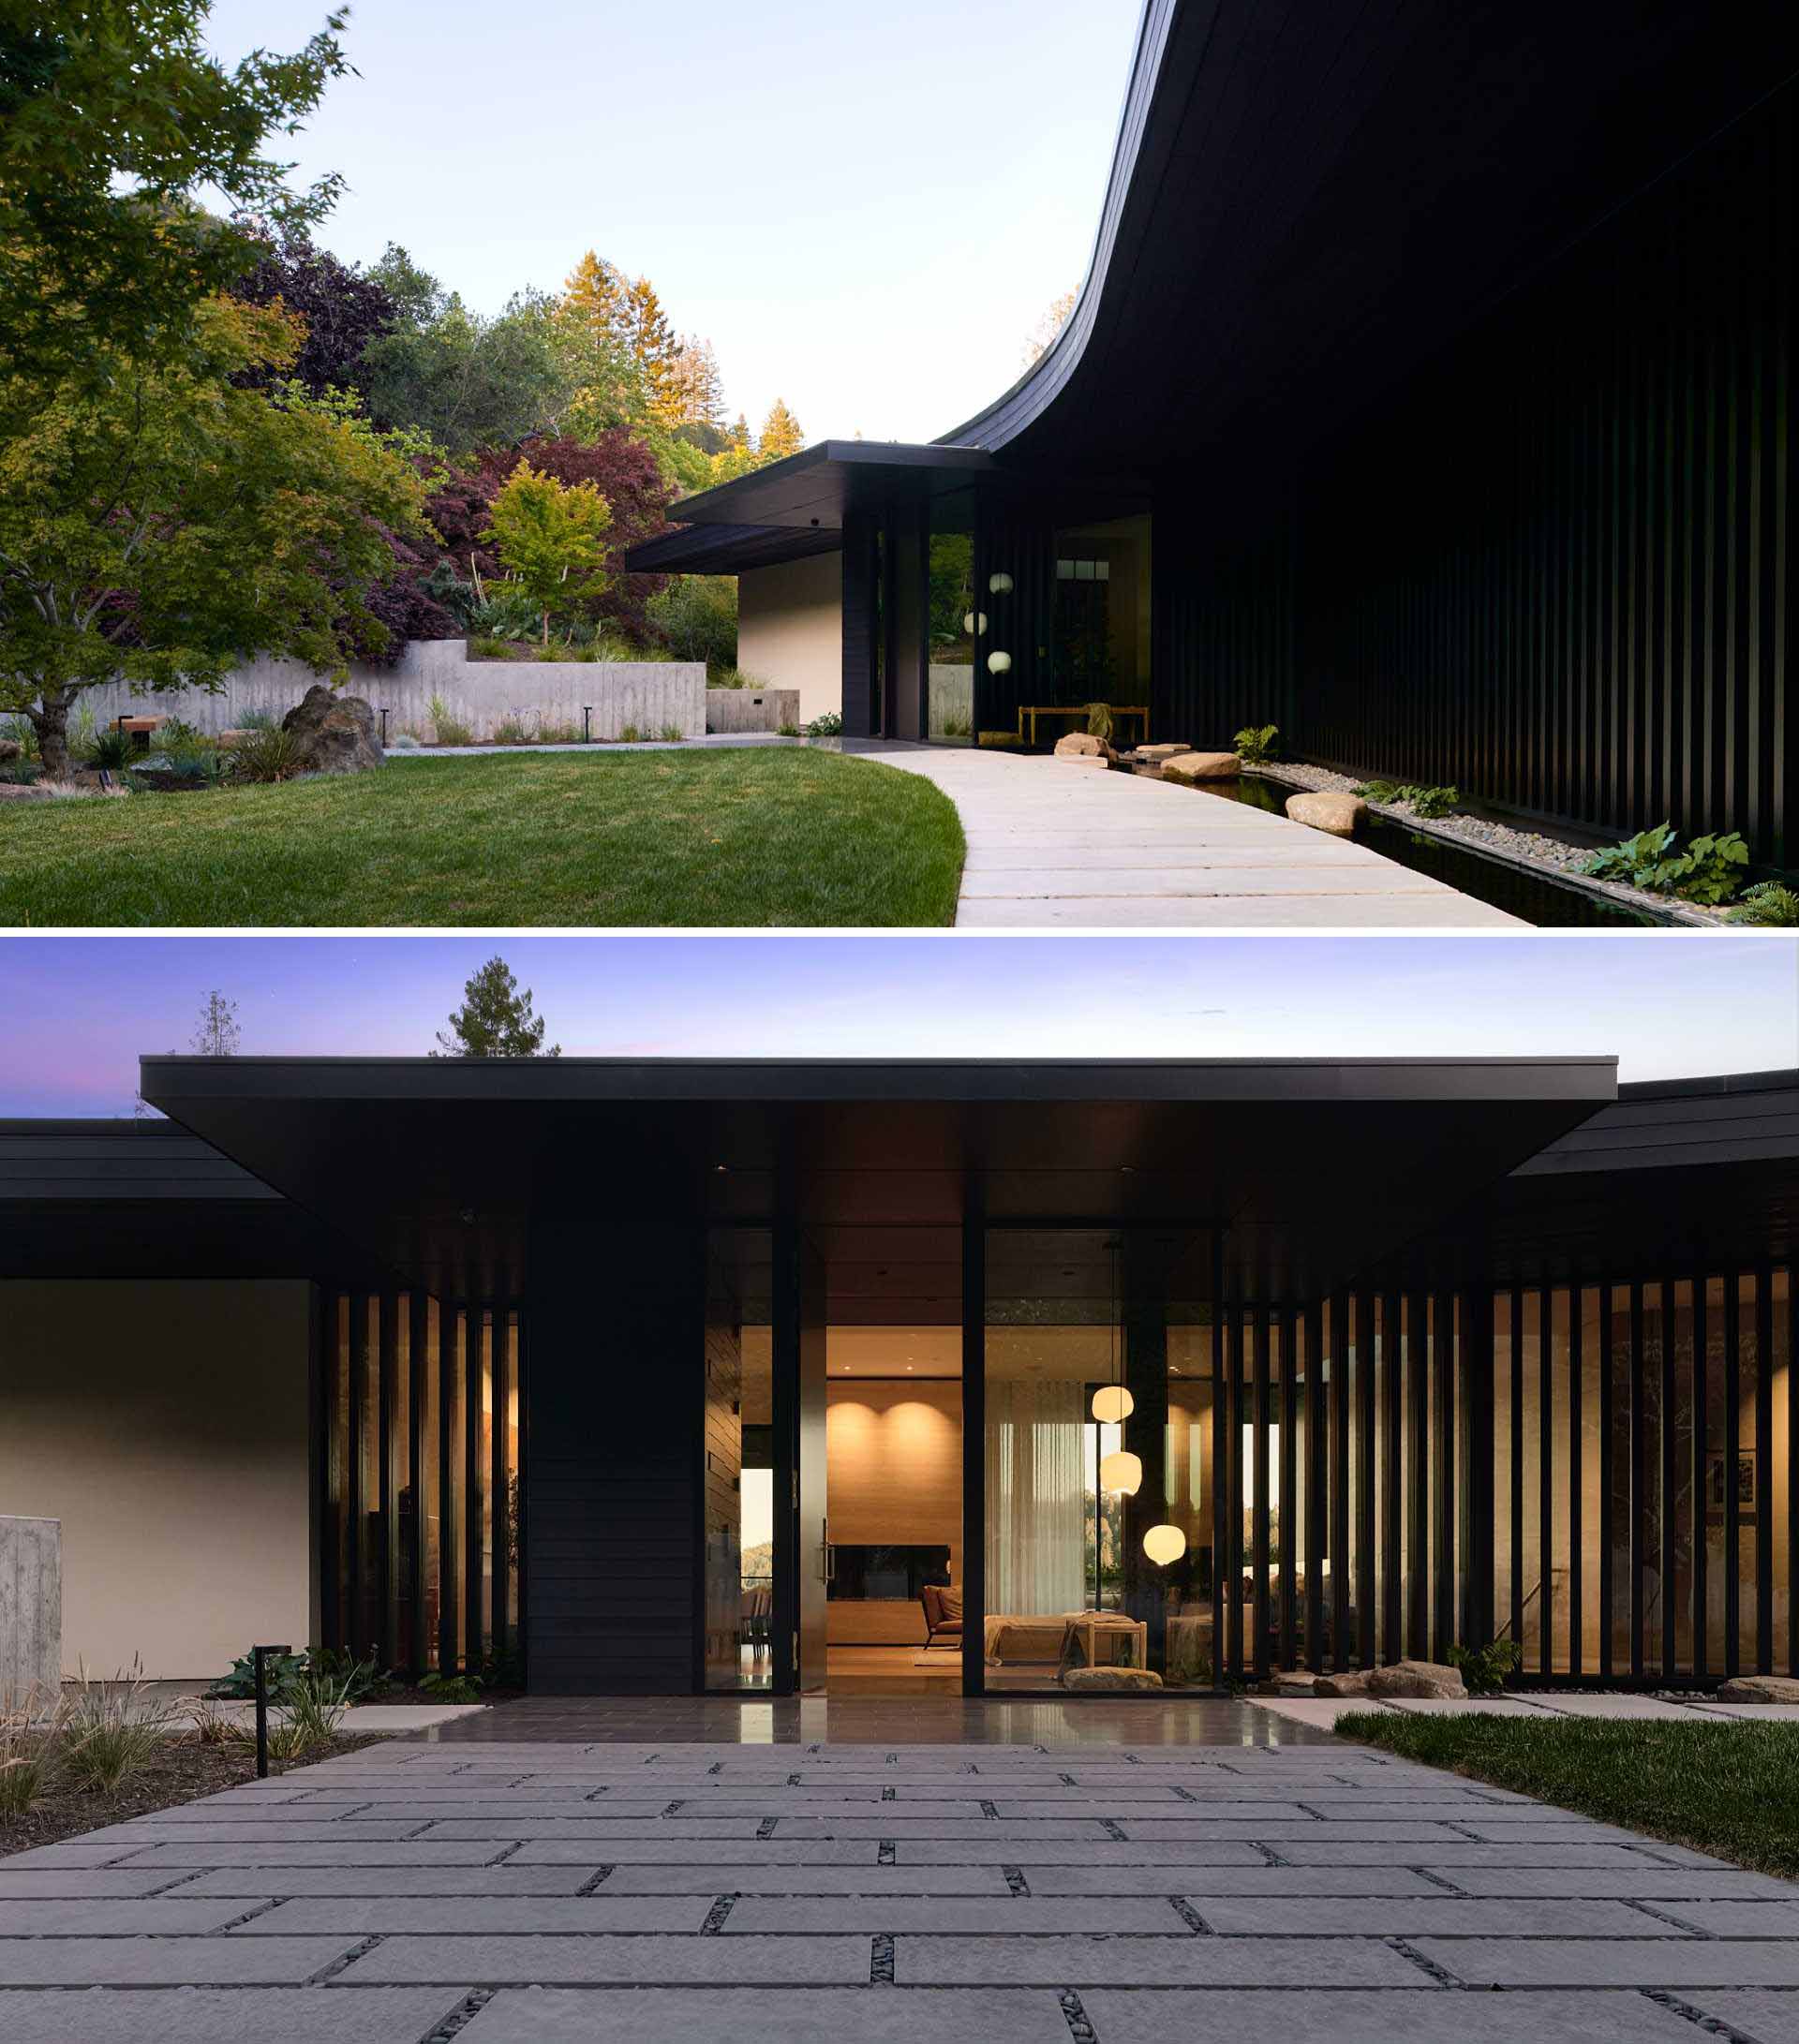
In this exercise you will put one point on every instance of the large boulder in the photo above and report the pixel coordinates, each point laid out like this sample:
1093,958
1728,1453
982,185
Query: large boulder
1759,1689
1081,748
1416,1678
1346,1681
1111,1678
1339,814
1202,766
334,734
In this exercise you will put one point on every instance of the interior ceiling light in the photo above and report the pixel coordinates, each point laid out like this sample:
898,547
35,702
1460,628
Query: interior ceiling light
1123,1471
1164,1544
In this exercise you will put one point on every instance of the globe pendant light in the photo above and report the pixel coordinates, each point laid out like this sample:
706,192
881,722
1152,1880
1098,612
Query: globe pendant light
1113,1404
1123,1471
999,664
1164,1544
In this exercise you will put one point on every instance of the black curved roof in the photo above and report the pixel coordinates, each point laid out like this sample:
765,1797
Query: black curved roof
1307,204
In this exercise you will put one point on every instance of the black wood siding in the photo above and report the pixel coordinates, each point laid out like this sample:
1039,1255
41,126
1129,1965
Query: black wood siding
612,1484
1555,573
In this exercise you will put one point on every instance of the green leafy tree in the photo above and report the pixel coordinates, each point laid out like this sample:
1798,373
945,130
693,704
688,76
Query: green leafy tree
466,381
551,539
780,434
495,1019
163,523
113,117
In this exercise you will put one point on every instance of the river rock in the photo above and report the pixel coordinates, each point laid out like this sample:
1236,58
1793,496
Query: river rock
1337,814
1416,1678
1081,748
1759,1689
1202,766
335,734
1345,1681
1111,1678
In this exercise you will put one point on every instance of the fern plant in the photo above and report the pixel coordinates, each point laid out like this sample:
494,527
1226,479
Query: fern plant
1769,905
1485,1669
1255,743
1708,872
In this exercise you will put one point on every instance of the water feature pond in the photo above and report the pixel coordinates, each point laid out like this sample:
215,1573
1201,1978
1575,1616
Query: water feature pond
1532,896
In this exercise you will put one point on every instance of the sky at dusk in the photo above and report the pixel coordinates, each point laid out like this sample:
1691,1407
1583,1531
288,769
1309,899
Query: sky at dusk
865,209
76,1012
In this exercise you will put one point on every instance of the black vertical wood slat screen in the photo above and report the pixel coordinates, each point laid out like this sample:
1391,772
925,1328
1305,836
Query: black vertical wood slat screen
1410,1428
388,1476
1556,571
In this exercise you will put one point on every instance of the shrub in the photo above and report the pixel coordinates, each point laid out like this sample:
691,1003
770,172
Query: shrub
114,1729
241,1681
826,724
511,731
259,721
448,1687
404,741
733,677
1255,743
1768,904
24,733
786,731
1099,721
956,727
360,1680
110,750
1484,1669
506,612
266,754
485,646
315,1702
673,733
1709,871
697,619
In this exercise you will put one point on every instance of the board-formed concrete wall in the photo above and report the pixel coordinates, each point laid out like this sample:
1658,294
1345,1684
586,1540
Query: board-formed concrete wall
790,629
31,1611
163,1423
651,694
750,709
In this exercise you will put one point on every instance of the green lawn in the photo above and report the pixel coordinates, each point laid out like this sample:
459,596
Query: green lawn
757,835
1727,1789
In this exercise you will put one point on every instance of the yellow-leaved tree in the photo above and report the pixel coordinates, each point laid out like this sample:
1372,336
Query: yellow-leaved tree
780,434
551,539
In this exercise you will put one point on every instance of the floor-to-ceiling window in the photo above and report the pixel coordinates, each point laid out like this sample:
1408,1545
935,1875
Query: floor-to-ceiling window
738,1483
1097,1460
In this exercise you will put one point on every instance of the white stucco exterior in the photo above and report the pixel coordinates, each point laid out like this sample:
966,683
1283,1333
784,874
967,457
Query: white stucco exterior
163,1423
790,629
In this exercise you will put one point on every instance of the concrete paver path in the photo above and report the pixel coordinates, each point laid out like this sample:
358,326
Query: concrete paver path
1053,844
1012,1894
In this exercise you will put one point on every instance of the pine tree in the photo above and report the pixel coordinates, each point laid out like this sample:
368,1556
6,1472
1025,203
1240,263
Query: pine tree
653,344
699,385
780,434
495,1019
217,1035
595,295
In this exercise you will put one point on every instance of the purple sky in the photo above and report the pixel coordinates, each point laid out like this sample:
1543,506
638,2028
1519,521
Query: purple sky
75,1013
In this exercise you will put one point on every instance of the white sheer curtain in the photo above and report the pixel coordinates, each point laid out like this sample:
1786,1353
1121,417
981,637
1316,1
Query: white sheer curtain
1036,1504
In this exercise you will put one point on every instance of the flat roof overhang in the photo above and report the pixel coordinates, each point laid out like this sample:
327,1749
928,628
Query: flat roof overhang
1306,1170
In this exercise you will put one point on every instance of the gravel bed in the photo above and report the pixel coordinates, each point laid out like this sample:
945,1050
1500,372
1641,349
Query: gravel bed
1530,848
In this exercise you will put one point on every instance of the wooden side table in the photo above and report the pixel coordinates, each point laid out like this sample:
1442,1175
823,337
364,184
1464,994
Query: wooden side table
1089,1626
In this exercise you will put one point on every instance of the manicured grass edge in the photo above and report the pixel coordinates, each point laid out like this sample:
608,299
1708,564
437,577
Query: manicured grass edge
1727,1789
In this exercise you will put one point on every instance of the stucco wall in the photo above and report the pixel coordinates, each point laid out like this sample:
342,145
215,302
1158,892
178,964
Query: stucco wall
165,1424
790,629
479,693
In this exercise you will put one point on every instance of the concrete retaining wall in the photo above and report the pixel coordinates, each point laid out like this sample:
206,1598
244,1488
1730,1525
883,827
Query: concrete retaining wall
31,1610
481,694
750,709
951,700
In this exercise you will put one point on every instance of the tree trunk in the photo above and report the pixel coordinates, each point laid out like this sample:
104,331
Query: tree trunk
50,723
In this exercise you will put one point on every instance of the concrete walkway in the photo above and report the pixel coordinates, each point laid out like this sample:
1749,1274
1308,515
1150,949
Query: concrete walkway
1133,1893
1052,844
